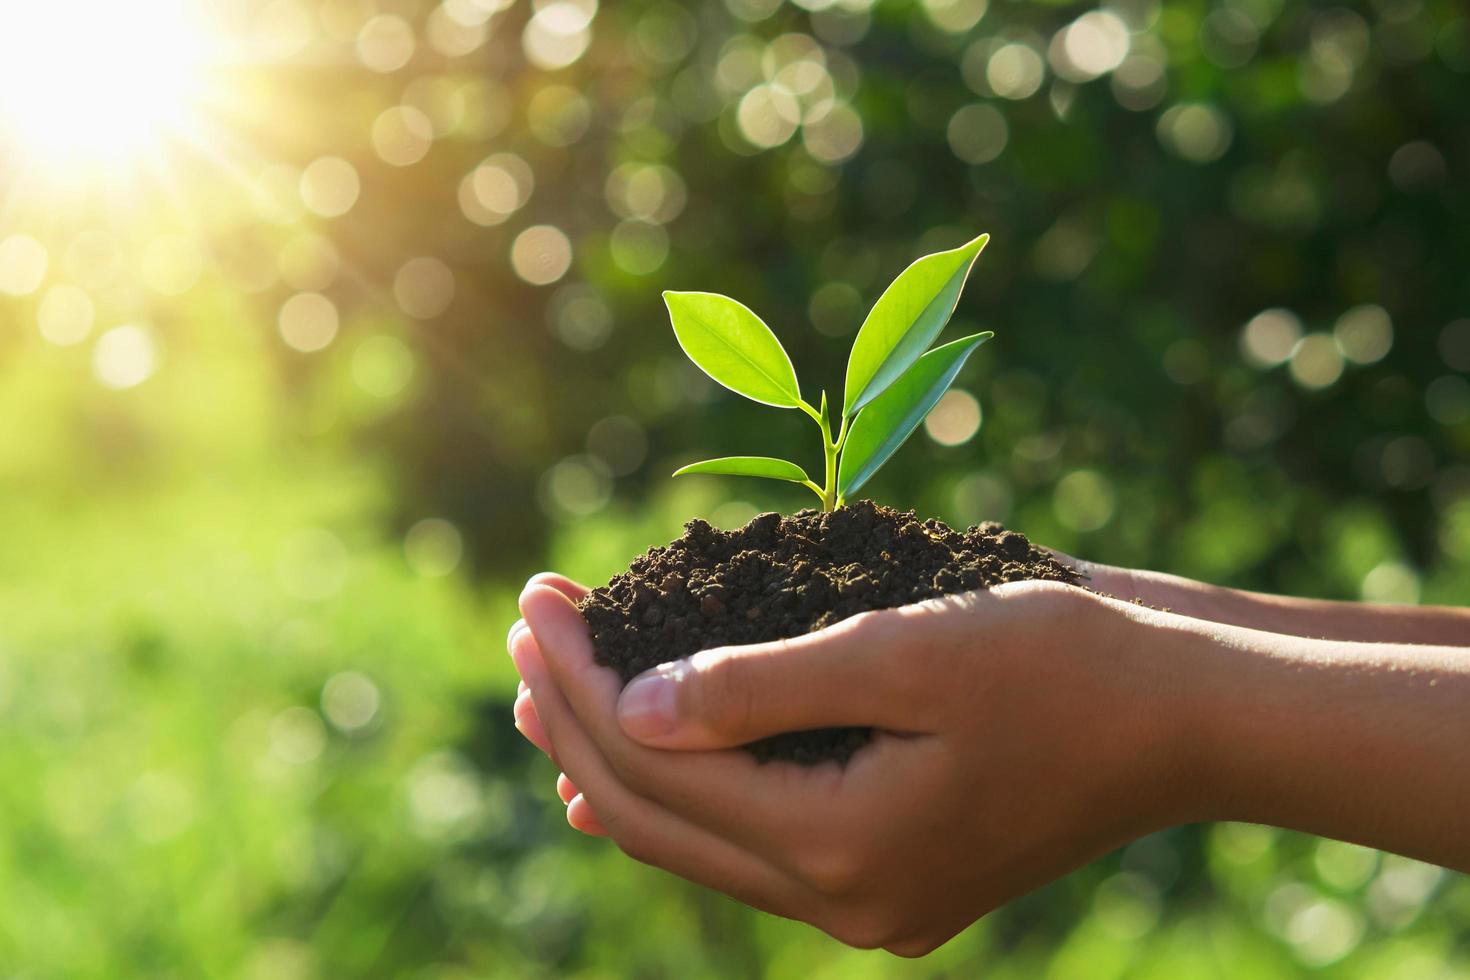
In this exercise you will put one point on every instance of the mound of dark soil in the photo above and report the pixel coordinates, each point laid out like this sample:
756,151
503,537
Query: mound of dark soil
779,577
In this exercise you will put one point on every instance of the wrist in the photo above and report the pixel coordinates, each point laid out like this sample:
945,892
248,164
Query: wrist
1133,669
1157,590
1174,665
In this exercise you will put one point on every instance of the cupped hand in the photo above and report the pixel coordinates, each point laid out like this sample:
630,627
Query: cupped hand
1019,733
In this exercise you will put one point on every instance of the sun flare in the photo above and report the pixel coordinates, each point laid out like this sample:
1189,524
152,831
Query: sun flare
96,82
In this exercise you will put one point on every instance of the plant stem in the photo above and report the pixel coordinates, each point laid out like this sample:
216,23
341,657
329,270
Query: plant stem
831,448
836,453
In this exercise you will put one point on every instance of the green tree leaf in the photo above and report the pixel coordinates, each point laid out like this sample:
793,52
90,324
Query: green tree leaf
773,469
905,321
734,347
894,415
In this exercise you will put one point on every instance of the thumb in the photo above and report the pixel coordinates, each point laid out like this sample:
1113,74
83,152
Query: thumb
843,675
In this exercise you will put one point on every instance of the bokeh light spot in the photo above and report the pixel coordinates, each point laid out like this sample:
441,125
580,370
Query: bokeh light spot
350,701
580,316
125,356
649,191
424,287
558,115
1315,361
330,186
577,486
1270,337
297,736
541,254
639,248
1454,344
308,322
768,116
1343,865
559,33
496,189
1092,45
977,133
833,134
402,135
955,419
1084,500
382,366
385,43
1196,131
1324,931
955,16
1447,399
1417,167
66,315
449,33
1364,334
433,547
982,497
1015,71
23,263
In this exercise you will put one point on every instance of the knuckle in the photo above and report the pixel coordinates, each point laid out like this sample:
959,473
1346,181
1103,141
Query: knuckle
913,947
627,774
863,928
723,698
868,627
632,843
831,871
629,765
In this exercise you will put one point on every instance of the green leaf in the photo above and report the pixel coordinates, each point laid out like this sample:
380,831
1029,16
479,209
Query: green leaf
773,469
894,415
733,346
905,321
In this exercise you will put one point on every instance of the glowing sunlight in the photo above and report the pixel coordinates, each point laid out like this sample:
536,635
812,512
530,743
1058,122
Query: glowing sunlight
95,83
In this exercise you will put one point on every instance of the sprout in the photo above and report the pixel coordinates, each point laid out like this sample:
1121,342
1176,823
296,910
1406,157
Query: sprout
892,382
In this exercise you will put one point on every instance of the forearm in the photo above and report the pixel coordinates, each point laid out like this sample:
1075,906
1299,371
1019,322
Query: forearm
1359,622
1361,742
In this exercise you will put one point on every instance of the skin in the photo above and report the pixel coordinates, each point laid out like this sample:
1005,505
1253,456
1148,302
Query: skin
1020,733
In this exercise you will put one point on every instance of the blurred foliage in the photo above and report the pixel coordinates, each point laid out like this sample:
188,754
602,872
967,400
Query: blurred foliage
291,408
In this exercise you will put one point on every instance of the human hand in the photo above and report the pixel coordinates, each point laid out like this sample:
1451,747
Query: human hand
1019,734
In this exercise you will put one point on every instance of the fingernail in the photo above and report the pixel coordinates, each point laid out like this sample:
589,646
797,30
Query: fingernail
646,707
516,629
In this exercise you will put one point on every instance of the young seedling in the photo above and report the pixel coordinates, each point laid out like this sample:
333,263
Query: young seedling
891,382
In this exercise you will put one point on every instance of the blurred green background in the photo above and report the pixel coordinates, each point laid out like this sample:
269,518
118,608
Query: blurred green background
296,388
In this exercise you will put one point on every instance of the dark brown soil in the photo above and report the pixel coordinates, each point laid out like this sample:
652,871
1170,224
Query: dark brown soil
781,577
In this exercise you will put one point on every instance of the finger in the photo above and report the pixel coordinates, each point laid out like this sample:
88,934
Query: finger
844,675
570,588
527,659
565,788
581,817
726,792
516,629
648,832
528,723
